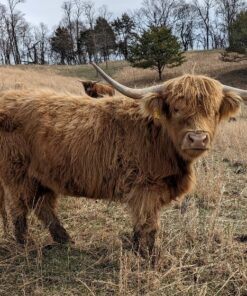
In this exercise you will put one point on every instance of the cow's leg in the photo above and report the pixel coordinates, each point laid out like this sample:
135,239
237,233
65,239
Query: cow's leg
146,220
19,211
44,207
21,193
3,211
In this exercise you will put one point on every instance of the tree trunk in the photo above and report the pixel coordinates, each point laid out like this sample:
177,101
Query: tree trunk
160,72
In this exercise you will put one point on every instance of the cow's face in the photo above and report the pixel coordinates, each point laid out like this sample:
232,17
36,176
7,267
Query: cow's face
89,87
190,111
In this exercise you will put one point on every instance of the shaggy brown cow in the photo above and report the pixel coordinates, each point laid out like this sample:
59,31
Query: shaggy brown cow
95,89
140,152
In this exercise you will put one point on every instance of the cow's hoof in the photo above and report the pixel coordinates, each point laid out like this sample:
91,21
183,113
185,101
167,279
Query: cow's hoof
241,238
63,239
21,240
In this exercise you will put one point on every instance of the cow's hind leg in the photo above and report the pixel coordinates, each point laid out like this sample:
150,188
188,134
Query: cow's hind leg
44,207
3,211
146,219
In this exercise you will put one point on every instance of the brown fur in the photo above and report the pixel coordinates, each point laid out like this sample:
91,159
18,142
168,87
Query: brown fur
97,90
114,148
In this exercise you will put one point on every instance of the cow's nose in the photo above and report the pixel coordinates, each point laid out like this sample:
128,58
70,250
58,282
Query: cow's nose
197,140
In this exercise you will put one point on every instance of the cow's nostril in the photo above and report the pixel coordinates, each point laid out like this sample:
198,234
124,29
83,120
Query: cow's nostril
191,139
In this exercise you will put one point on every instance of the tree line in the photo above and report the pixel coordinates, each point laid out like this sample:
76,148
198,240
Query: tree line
88,33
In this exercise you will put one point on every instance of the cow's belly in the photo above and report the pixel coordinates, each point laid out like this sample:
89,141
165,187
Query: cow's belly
72,185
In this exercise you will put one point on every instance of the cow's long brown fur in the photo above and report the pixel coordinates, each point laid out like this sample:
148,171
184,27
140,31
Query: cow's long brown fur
113,148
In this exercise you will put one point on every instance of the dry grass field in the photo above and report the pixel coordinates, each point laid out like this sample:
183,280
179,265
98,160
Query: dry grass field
202,246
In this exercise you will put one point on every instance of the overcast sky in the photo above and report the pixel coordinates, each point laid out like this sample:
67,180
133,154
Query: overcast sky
50,12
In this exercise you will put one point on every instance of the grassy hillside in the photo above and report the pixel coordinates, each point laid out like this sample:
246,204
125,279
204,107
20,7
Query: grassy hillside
198,62
202,246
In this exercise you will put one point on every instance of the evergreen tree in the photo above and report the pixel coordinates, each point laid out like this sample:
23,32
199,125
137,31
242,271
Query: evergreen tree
105,38
61,43
156,48
124,30
238,34
87,43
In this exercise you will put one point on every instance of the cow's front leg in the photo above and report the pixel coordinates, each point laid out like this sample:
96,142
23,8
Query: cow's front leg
146,220
144,240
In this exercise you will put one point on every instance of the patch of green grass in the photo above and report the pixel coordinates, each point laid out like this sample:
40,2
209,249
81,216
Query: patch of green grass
80,71
87,71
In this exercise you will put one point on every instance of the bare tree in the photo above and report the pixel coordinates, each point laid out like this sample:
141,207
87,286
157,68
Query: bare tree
78,11
217,34
41,43
67,21
67,7
5,46
158,12
90,13
105,13
204,11
90,16
29,53
186,24
228,10
13,24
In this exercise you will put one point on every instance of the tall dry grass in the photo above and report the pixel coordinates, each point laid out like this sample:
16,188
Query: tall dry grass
200,246
11,77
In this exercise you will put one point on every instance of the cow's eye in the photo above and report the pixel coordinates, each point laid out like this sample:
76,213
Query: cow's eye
176,112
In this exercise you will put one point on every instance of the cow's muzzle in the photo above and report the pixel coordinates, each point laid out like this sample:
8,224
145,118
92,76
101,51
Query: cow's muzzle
198,140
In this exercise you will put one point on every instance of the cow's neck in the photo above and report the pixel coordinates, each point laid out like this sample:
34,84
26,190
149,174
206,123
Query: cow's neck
165,152
166,166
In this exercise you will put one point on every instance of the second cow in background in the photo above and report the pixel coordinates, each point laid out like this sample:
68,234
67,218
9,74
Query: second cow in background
95,89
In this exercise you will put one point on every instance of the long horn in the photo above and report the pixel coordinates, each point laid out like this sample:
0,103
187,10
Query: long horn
134,93
241,92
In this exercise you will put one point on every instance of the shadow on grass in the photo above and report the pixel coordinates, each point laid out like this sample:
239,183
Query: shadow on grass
55,267
236,78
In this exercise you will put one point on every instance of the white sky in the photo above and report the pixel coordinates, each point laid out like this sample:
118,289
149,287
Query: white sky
50,12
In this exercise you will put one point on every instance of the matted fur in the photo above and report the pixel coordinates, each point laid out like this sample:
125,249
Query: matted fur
113,148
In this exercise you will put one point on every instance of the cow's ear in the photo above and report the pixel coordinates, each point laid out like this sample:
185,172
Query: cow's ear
153,106
230,105
84,84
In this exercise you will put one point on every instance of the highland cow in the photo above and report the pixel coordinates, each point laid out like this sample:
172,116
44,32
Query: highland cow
140,152
95,89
